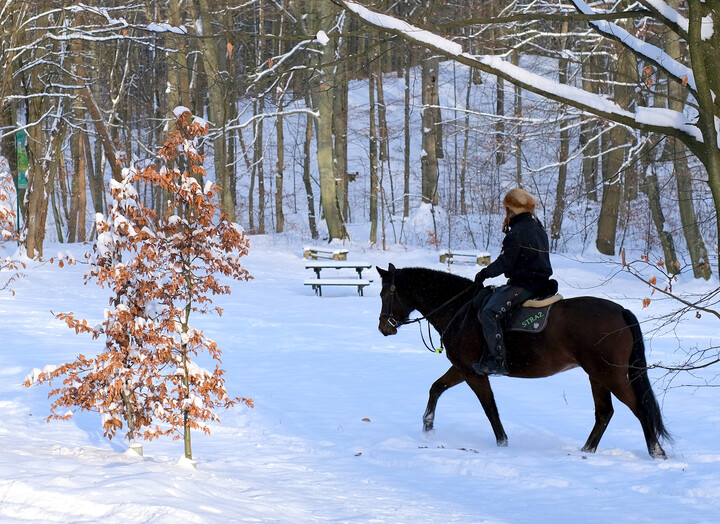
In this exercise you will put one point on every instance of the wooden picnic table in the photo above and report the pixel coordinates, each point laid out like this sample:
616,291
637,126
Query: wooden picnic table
318,266
318,282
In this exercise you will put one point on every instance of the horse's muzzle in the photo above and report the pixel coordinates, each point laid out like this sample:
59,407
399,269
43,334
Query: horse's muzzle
387,325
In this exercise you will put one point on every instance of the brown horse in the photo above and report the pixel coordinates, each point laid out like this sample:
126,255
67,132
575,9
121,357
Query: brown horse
596,334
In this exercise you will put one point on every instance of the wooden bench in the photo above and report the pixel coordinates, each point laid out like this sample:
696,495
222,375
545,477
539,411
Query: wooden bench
337,264
325,252
450,257
318,282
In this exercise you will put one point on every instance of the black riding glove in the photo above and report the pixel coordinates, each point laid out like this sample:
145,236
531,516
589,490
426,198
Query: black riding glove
481,276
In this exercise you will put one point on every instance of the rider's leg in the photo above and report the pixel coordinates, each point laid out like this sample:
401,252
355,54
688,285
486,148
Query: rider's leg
503,299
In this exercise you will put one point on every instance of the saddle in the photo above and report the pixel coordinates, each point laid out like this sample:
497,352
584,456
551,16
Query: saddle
531,316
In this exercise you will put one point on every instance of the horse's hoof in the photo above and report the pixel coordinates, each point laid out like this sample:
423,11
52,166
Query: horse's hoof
502,443
657,452
427,427
587,449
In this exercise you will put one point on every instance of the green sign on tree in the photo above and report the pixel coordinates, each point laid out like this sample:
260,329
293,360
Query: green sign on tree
22,158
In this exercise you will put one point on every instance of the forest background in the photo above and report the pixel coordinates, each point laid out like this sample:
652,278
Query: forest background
319,119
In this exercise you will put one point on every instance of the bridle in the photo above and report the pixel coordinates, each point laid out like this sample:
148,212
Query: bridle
396,323
391,318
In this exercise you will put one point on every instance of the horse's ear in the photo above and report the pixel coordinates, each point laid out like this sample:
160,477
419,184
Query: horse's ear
383,272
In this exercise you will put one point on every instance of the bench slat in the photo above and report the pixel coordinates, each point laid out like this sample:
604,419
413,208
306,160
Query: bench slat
337,282
337,264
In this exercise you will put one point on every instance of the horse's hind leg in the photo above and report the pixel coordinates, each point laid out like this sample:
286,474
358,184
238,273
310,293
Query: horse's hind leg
625,393
452,377
481,387
603,414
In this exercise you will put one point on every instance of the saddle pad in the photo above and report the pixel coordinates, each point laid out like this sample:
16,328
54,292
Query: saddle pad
529,319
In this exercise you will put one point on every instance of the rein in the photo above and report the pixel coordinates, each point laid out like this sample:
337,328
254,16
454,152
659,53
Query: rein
394,322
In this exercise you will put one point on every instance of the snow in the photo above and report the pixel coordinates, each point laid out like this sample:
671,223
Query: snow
336,433
181,110
666,117
393,24
322,38
669,13
163,27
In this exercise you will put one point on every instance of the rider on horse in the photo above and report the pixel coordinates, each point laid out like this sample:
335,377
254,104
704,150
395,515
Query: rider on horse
525,261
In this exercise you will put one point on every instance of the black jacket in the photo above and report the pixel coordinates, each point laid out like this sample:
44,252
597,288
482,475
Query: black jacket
525,255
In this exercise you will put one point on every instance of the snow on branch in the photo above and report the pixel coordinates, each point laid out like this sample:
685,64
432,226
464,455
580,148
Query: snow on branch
662,121
641,48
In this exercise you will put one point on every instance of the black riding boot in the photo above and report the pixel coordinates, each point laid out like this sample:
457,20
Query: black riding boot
494,363
503,299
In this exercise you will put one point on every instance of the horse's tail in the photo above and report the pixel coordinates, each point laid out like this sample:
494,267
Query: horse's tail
638,375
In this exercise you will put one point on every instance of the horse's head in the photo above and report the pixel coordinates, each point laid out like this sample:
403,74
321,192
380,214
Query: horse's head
394,310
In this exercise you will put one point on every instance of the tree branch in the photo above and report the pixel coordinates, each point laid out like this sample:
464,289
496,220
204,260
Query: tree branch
547,17
644,119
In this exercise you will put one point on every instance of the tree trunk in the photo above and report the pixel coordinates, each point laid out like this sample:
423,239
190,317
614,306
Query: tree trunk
373,156
306,177
703,56
78,202
518,127
217,105
429,158
323,101
652,190
614,154
406,148
180,72
564,152
683,177
384,140
94,179
688,218
613,141
258,162
340,128
280,167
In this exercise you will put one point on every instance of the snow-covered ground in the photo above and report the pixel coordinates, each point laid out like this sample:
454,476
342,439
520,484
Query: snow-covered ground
336,434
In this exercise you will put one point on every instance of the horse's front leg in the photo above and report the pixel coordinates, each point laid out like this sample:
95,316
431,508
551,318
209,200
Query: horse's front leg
481,387
452,377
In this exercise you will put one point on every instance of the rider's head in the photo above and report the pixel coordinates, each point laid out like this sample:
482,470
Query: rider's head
517,201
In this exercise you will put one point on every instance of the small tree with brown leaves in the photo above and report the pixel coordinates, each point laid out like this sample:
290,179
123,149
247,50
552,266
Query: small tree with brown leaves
161,270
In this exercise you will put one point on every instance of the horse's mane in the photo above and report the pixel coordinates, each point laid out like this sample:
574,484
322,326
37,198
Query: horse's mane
434,281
